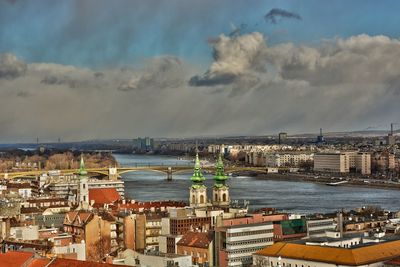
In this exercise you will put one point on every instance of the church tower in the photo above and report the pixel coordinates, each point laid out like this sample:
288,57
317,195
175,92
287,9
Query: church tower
83,190
198,191
220,189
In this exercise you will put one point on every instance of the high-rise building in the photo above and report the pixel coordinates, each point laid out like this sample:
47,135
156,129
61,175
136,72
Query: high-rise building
282,138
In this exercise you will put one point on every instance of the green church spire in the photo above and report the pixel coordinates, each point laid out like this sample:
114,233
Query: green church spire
220,176
82,171
197,177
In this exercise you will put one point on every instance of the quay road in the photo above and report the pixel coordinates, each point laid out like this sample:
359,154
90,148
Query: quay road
118,171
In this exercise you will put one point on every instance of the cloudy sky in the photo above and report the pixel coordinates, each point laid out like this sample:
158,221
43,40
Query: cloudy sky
79,70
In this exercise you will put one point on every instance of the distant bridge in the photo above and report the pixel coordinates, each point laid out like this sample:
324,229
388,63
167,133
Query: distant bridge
116,172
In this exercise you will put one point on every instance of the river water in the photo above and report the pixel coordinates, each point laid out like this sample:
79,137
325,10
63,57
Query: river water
300,197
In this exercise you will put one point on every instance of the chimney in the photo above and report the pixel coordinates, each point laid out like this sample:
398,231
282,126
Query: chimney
340,223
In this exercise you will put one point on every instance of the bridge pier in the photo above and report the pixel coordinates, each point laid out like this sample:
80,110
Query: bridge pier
169,174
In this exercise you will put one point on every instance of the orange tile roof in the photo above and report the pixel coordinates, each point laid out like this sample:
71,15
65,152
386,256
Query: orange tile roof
104,195
353,257
14,258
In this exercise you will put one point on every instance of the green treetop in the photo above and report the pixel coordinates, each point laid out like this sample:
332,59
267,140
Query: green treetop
82,171
197,177
220,176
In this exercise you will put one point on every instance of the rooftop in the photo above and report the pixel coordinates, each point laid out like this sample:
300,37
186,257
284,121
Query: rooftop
344,256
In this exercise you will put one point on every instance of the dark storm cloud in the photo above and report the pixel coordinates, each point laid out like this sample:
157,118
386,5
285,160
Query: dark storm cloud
276,13
160,73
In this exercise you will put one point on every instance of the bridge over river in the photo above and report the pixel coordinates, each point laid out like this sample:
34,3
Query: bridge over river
116,172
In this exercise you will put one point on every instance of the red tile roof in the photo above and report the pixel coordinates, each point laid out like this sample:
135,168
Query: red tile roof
194,239
39,263
76,263
14,258
104,195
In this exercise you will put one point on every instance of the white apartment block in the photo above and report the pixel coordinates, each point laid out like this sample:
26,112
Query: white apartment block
287,159
241,241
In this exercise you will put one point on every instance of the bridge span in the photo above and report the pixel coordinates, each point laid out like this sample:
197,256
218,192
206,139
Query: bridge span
115,172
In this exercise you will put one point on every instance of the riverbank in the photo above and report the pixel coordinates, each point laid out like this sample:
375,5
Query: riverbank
323,181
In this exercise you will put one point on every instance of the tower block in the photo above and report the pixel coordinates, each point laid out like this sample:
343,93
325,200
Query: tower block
198,191
220,190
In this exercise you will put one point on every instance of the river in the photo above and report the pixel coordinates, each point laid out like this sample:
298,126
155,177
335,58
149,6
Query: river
299,197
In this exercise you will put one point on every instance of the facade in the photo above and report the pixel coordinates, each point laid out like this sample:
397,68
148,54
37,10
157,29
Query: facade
92,230
363,163
343,162
289,159
290,229
320,226
331,162
235,244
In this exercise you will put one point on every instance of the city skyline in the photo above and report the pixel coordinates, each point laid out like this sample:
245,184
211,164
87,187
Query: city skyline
85,70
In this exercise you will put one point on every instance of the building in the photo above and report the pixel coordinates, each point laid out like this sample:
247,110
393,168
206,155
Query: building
290,229
220,190
177,225
198,191
363,163
92,230
343,162
67,188
290,254
199,245
83,188
237,239
235,244
153,259
282,138
287,159
331,162
143,144
148,230
318,227
99,197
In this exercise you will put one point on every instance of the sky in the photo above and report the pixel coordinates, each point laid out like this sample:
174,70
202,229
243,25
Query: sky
80,70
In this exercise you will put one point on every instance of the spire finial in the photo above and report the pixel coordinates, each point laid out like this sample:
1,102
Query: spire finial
82,169
197,177
220,176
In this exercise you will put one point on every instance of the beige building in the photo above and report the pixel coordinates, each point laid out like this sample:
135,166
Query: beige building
343,162
331,162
